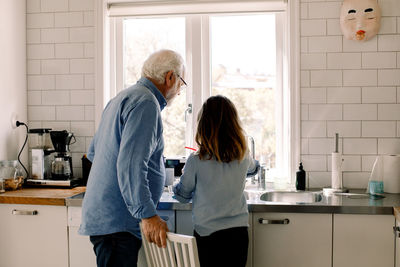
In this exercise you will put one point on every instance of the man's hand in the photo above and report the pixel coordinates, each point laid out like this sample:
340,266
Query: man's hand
155,230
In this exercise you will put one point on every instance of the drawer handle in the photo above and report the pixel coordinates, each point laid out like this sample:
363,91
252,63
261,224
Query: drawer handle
25,212
265,221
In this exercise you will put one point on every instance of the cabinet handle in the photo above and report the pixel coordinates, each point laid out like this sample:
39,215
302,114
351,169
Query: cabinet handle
25,212
265,221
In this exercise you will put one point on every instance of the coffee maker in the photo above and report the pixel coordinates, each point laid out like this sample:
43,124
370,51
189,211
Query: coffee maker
61,166
40,153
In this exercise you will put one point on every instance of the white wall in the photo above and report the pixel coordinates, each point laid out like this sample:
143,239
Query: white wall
348,87
12,78
60,56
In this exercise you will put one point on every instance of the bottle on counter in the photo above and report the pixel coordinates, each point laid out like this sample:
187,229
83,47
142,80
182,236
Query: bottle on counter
301,178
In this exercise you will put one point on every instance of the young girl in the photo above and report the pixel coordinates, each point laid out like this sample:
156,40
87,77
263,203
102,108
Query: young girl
214,178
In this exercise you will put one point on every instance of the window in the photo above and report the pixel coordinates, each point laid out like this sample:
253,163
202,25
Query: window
242,54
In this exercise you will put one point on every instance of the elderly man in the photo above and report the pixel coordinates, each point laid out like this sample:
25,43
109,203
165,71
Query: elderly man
127,176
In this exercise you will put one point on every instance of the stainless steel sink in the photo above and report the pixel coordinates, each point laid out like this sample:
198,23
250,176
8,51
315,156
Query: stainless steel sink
296,197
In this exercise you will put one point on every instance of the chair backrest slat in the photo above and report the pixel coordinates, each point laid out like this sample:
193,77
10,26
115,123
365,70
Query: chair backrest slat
181,251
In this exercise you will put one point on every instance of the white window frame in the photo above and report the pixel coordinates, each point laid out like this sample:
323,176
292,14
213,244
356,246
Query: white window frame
109,79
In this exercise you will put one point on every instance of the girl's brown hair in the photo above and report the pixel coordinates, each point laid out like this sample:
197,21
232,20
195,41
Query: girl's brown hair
219,132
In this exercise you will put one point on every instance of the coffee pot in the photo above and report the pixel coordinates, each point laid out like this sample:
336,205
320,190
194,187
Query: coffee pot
61,167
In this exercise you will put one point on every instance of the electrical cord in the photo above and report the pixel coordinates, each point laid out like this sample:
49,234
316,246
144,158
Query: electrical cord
18,123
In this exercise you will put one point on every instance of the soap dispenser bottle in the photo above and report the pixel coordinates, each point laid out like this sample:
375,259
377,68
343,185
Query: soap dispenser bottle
301,178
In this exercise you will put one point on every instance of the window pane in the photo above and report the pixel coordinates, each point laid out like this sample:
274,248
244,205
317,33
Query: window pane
243,56
141,38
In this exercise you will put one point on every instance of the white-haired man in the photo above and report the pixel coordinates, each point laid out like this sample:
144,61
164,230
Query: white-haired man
127,175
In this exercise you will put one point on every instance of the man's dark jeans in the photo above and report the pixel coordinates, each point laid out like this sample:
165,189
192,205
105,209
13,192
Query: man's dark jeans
116,250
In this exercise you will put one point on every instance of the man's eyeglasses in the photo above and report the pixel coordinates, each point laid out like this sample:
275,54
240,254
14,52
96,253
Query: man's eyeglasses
184,83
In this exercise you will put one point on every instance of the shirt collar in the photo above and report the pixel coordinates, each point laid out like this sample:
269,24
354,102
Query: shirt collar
149,85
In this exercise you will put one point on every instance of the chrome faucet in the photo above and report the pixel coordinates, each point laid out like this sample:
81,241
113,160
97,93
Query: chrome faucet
253,154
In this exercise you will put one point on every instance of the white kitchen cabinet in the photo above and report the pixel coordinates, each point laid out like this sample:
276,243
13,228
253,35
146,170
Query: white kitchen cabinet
363,240
292,240
33,235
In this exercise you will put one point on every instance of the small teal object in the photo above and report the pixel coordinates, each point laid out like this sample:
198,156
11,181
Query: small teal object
376,187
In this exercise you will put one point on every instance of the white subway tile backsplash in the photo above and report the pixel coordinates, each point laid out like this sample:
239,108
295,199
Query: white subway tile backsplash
83,34
89,113
325,112
389,77
389,112
70,81
303,44
359,146
53,5
58,125
379,94
326,78
333,26
82,66
303,11
79,145
89,50
88,18
70,113
378,129
313,95
55,97
314,162
41,113
55,66
388,25
360,112
368,163
313,27
33,67
305,78
319,179
69,19
389,42
379,60
344,60
304,112
390,7
89,81
41,82
388,146
69,50
79,5
398,25
352,46
355,179
82,97
33,36
55,35
313,61
321,146
350,163
344,95
304,146
32,6
34,98
398,129
322,44
360,78
324,10
344,128
40,51
82,128
88,141
39,20
313,129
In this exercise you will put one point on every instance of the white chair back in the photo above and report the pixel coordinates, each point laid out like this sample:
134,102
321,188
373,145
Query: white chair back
181,251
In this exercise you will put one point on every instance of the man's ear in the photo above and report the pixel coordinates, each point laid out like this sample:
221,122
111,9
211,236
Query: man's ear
169,78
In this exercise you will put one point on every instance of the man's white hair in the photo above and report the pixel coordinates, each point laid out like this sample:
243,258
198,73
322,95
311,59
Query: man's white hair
160,62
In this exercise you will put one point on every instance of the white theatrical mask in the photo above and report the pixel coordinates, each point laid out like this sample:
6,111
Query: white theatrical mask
360,19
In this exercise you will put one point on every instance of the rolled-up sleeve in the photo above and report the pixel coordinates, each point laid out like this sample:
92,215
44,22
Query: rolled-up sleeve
183,191
138,140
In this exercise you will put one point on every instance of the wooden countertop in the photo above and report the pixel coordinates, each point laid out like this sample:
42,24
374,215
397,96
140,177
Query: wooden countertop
396,212
40,196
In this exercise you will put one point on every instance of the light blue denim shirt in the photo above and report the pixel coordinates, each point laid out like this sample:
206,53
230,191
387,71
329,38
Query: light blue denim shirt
127,176
216,190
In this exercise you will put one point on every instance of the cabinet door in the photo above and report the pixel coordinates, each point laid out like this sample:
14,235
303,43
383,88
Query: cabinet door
397,252
363,240
292,239
33,235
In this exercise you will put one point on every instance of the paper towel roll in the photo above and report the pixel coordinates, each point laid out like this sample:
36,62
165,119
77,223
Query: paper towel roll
337,171
391,173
